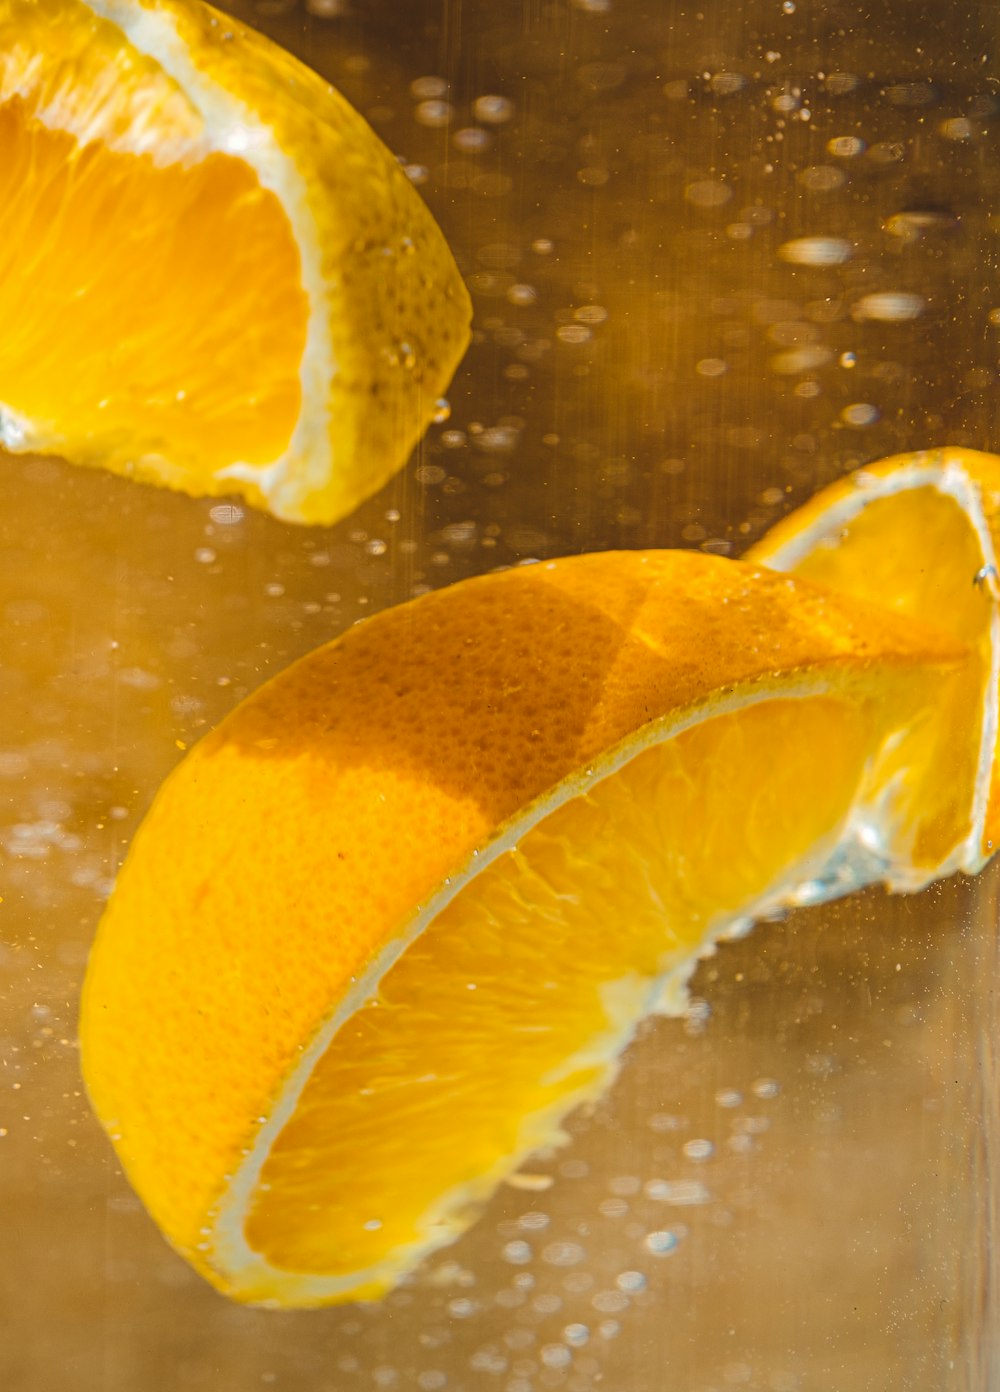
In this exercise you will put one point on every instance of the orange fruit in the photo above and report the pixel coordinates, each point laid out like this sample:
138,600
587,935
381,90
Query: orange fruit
919,533
214,275
403,909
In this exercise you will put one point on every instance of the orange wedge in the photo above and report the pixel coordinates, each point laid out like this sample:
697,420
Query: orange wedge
213,276
919,533
403,910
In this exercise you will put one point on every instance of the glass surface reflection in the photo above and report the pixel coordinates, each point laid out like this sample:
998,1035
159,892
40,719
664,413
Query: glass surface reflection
719,254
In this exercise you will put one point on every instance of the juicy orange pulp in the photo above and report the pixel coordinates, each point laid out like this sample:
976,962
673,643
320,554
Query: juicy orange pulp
162,267
520,995
916,552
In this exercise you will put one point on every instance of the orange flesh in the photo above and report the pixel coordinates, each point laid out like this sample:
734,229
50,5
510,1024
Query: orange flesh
890,553
191,336
478,1023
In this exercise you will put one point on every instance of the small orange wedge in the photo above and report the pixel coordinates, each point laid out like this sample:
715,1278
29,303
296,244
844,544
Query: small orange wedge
213,275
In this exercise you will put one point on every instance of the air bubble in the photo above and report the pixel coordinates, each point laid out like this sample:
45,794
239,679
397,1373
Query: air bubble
846,146
957,128
708,193
660,1243
563,1254
860,413
492,109
226,514
472,140
890,306
816,251
425,88
711,367
434,113
698,1149
610,1302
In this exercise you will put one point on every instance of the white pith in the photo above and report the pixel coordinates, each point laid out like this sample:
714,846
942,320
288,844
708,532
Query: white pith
853,855
229,127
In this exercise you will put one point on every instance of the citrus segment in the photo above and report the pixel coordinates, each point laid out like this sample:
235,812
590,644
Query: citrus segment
215,277
517,1000
918,534
556,785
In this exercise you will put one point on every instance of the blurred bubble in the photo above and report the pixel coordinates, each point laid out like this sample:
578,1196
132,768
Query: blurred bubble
434,113
427,88
698,1149
472,140
839,84
816,251
660,1243
957,128
711,367
890,306
846,146
573,333
724,84
493,110
860,413
805,359
708,193
822,178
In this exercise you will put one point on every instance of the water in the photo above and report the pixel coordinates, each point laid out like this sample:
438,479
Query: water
719,253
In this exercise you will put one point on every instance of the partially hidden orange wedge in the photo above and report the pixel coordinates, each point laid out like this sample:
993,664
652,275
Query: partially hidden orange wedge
213,275
402,911
919,534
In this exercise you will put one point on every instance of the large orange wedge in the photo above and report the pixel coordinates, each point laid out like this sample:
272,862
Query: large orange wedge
402,911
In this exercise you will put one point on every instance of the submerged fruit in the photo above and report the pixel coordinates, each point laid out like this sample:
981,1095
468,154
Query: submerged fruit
918,533
402,911
214,275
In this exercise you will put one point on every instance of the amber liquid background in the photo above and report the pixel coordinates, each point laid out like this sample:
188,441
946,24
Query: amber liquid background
793,1188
